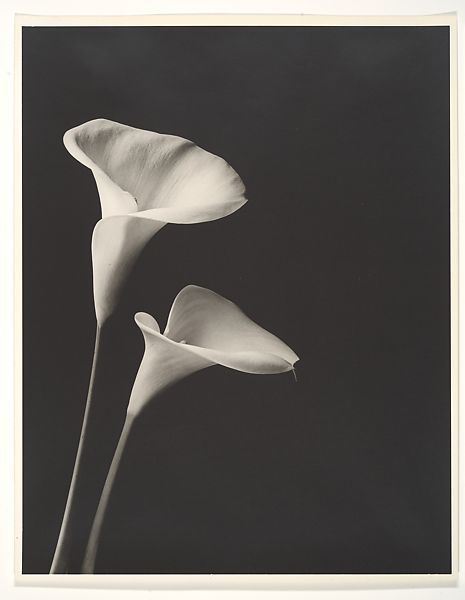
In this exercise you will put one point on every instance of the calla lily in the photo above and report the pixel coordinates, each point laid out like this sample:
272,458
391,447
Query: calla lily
145,180
203,329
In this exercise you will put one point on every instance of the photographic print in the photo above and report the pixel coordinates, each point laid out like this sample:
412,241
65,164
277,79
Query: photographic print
237,297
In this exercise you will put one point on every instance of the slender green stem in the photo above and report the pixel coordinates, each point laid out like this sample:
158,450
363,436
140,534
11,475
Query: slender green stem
88,565
61,558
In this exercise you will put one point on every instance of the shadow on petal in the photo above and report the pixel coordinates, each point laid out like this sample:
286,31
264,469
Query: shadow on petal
145,180
203,329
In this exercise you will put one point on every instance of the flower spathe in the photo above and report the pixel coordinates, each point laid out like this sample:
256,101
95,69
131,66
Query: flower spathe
203,329
145,180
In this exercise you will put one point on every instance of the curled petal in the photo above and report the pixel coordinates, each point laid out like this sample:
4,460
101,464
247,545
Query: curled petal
203,329
164,362
145,180
168,178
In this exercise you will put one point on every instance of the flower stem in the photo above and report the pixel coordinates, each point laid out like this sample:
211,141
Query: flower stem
61,558
88,565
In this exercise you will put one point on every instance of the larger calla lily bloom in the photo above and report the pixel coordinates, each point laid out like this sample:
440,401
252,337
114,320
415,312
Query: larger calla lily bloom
145,180
203,329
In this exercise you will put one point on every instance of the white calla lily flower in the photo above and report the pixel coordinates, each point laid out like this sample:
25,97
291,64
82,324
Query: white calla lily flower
203,329
145,180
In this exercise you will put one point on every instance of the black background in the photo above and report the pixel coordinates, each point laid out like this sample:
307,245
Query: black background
341,135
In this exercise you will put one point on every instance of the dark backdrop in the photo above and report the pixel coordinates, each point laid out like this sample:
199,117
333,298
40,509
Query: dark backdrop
341,137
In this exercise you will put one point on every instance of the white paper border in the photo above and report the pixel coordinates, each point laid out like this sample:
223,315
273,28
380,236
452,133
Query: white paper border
241,581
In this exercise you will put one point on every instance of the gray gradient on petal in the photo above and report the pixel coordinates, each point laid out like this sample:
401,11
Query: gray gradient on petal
203,329
145,180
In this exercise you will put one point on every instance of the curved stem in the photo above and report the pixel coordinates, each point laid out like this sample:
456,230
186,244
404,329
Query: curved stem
88,565
61,558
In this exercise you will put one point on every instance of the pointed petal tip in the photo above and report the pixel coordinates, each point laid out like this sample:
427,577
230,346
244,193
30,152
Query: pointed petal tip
291,365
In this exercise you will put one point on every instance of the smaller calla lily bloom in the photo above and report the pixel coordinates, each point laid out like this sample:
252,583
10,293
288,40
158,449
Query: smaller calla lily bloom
203,329
145,180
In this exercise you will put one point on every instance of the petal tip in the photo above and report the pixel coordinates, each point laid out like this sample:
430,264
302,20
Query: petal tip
146,323
69,139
